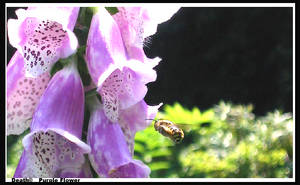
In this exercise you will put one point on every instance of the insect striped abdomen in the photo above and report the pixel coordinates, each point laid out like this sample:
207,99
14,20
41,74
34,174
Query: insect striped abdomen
169,129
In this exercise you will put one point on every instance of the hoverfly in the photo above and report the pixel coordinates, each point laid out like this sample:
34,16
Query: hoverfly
169,129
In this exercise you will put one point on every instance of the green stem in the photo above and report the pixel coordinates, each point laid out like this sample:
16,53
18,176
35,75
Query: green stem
92,101
91,92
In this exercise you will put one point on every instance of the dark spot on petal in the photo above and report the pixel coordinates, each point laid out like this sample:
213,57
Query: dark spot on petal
48,52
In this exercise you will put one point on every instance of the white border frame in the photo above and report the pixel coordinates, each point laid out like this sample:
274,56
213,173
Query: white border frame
168,5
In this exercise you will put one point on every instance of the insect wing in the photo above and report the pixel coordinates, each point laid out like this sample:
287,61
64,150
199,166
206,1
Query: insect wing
183,126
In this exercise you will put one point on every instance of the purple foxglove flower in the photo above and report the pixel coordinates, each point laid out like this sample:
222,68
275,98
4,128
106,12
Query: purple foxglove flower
136,118
53,147
84,172
30,166
110,155
137,23
120,82
23,95
43,35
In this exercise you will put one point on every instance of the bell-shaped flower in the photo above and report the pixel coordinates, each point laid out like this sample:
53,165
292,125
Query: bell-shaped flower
136,118
110,155
85,171
53,148
23,95
138,23
120,82
28,70
43,35
43,171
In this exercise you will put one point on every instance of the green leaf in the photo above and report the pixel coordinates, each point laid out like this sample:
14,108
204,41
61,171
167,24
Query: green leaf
161,152
138,147
207,116
159,165
56,67
14,152
61,63
112,10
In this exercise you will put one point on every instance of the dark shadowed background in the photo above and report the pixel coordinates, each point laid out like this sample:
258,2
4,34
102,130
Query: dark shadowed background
242,55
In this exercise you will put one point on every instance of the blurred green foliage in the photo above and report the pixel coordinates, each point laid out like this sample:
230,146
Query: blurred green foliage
14,152
226,141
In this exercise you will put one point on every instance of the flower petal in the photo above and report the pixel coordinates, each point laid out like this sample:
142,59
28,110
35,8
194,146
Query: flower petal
120,82
53,147
48,154
61,108
138,23
67,16
125,88
134,119
152,16
84,172
110,156
133,169
104,47
131,26
42,36
23,95
130,23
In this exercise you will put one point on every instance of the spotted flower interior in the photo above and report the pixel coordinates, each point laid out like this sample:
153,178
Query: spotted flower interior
49,154
119,83
23,101
44,38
